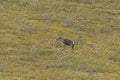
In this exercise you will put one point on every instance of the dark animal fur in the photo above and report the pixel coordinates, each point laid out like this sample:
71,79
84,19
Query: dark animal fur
67,42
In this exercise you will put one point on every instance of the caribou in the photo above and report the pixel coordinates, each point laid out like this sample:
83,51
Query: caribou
66,42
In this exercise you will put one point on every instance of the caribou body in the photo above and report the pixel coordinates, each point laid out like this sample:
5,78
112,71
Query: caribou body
66,42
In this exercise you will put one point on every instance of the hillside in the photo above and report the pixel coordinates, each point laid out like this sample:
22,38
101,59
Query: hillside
28,33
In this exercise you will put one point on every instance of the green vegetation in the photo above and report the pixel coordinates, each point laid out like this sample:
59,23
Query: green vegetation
29,28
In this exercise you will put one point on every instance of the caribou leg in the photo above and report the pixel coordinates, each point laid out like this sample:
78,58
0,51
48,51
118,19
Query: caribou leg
64,47
72,46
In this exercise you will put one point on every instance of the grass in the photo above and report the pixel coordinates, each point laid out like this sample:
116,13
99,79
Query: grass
28,32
